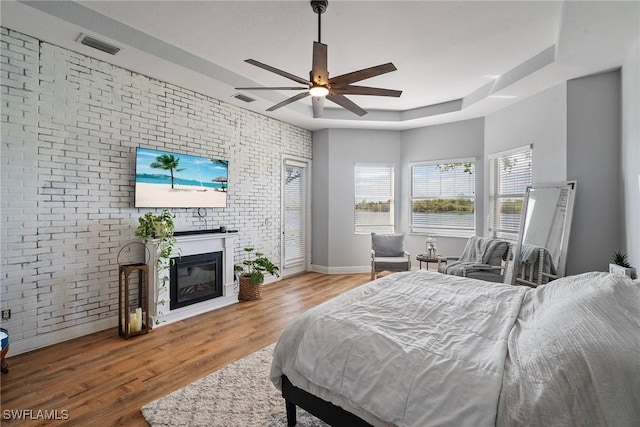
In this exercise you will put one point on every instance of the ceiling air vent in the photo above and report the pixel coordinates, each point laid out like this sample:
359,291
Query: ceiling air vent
98,44
244,98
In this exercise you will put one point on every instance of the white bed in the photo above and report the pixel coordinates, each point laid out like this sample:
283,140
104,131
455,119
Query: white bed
422,348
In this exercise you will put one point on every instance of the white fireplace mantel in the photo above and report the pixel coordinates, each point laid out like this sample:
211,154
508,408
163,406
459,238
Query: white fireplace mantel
191,244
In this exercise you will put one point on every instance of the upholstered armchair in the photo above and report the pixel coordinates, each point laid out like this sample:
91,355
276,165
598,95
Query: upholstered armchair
388,254
483,258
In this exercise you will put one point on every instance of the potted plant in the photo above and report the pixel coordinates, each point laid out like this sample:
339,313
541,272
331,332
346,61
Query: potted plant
159,227
251,273
620,265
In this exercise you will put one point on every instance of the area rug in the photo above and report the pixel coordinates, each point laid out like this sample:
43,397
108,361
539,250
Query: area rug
239,394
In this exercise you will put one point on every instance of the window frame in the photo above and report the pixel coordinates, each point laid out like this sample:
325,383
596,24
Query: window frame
391,226
494,190
451,231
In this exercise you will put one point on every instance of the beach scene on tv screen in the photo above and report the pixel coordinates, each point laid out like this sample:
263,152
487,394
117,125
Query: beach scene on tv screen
174,180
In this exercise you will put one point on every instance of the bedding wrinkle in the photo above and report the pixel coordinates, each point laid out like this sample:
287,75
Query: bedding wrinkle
573,355
414,354
420,349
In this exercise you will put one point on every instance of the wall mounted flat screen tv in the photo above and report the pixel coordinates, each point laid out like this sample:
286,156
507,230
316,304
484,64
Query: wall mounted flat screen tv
174,180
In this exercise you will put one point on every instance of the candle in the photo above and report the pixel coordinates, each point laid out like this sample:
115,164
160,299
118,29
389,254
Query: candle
135,321
132,323
139,318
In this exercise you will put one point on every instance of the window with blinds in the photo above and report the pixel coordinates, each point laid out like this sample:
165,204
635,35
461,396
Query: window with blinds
373,199
443,197
509,175
294,244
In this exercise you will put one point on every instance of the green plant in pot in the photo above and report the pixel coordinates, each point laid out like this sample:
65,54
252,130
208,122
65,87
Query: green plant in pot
159,227
251,273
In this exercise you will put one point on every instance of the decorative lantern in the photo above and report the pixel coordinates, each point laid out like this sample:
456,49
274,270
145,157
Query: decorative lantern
133,300
431,246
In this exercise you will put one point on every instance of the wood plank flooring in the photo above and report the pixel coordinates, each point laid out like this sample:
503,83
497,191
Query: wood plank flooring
103,380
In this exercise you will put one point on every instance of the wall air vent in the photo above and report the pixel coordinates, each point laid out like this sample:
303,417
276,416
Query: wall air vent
242,97
98,44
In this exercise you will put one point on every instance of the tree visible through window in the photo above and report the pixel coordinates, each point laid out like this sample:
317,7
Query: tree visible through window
373,199
443,198
509,175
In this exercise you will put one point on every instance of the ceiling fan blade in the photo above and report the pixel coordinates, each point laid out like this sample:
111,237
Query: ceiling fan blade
366,73
343,101
364,90
271,88
277,71
319,72
317,102
289,101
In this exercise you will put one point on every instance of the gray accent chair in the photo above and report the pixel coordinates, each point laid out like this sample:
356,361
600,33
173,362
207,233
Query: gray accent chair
483,258
388,254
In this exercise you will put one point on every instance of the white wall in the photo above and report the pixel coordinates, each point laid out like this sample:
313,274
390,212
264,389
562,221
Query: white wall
70,125
593,159
630,152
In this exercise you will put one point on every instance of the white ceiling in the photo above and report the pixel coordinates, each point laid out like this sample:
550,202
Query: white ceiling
455,59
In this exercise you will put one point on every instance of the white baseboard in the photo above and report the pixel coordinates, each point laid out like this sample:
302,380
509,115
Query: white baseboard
347,270
23,346
341,270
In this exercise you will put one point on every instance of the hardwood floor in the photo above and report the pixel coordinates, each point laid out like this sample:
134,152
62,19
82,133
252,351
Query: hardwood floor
101,379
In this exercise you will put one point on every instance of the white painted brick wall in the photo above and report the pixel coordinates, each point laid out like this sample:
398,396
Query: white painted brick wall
70,126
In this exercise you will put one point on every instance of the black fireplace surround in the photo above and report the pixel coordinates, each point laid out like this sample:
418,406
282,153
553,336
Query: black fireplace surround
195,278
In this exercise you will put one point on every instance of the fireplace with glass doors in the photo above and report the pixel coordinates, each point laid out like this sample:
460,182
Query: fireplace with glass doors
195,278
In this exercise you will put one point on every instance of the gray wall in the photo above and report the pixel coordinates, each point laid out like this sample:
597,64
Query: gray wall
442,142
574,128
630,241
333,217
320,199
336,248
593,159
540,120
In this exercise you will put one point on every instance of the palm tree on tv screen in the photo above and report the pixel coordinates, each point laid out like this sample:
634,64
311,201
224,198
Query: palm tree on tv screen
167,162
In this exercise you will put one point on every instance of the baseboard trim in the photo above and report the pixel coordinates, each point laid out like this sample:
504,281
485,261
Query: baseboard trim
341,270
34,343
347,270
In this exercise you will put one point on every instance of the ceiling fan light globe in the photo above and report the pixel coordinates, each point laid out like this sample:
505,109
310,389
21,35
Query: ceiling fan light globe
320,91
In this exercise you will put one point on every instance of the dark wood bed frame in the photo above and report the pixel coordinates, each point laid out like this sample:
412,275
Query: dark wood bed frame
328,412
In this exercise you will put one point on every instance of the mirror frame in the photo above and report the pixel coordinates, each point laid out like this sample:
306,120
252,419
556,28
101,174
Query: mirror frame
566,231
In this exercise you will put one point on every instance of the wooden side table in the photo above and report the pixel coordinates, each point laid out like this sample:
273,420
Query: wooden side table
425,258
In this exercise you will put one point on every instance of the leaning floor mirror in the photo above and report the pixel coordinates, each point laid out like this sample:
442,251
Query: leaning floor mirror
540,254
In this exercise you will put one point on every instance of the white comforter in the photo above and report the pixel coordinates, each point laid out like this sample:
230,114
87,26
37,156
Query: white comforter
410,349
423,349
574,355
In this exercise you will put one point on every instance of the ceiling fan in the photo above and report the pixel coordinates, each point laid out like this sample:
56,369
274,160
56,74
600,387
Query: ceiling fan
320,86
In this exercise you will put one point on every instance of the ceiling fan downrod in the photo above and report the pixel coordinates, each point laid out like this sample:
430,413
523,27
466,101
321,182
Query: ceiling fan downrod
319,6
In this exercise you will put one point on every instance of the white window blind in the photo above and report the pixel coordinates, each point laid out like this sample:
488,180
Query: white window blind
373,199
294,216
443,197
509,175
